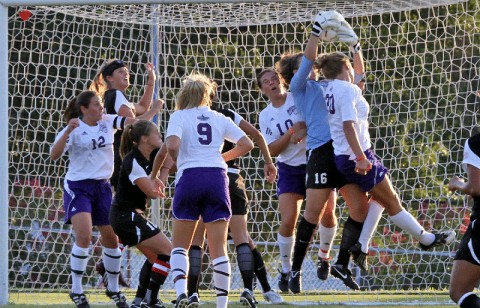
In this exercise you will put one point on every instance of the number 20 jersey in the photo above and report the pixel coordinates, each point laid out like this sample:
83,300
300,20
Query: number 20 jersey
202,132
275,122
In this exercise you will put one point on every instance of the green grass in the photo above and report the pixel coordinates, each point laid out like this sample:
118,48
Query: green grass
425,299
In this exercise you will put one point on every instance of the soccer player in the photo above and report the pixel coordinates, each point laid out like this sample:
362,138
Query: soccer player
250,261
284,130
195,137
348,119
466,266
139,146
298,70
111,82
88,139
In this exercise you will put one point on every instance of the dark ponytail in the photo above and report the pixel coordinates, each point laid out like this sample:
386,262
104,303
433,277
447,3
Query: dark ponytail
132,135
73,109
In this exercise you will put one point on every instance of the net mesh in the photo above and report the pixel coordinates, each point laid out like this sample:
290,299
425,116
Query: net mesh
422,76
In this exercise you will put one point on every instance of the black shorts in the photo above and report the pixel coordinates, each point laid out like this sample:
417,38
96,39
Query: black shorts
131,227
238,194
469,249
321,169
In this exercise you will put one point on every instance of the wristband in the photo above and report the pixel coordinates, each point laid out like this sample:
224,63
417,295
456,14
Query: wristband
360,158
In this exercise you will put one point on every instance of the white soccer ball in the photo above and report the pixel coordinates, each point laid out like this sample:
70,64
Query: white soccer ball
329,35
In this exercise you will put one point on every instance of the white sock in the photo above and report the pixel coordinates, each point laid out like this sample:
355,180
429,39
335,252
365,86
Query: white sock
78,265
221,279
179,269
374,214
285,245
112,259
406,221
327,235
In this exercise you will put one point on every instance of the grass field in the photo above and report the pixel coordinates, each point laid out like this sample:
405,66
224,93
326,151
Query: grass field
328,299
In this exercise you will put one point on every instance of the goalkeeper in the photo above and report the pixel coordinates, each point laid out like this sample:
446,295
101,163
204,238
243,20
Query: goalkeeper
322,176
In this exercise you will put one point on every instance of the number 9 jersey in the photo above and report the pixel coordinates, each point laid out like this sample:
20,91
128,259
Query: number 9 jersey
275,122
202,132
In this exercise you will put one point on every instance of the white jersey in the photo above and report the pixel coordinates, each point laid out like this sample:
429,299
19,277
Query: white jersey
202,132
345,102
90,149
275,122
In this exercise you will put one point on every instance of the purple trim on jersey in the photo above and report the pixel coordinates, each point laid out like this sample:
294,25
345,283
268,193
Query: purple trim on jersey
91,196
291,179
202,192
368,181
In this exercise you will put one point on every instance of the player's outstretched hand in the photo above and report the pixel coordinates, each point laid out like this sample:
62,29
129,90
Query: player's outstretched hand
150,72
454,183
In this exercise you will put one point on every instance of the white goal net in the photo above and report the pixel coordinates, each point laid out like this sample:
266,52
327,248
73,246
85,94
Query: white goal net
423,77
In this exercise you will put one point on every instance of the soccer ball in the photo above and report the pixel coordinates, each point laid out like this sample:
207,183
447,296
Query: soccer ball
328,34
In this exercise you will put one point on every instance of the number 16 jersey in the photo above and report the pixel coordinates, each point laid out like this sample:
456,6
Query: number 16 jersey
275,122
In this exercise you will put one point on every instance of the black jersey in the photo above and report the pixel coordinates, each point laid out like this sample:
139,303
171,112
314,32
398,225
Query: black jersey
109,99
227,145
474,144
135,165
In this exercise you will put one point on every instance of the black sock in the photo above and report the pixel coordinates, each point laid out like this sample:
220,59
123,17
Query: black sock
471,301
245,265
350,235
195,256
304,235
158,275
260,271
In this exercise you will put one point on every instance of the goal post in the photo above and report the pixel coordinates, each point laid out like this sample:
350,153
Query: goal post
422,73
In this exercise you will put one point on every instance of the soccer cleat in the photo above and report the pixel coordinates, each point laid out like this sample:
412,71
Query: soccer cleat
323,269
141,305
440,239
118,298
247,299
345,275
193,301
295,282
358,256
157,304
80,300
283,281
181,301
273,297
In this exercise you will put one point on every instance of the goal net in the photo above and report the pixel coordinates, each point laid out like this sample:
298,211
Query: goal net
422,82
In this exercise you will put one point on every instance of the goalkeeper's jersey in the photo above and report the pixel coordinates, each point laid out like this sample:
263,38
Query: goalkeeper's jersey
308,96
345,102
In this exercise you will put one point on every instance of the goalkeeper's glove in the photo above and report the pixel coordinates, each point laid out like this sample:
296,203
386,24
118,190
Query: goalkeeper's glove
355,48
326,19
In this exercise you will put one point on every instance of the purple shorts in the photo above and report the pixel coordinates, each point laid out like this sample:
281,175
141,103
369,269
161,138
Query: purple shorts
368,181
90,196
202,192
291,179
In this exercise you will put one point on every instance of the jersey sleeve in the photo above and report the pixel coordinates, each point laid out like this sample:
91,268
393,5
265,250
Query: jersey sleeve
236,117
175,125
69,139
115,121
346,104
233,133
121,100
266,132
137,172
300,78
